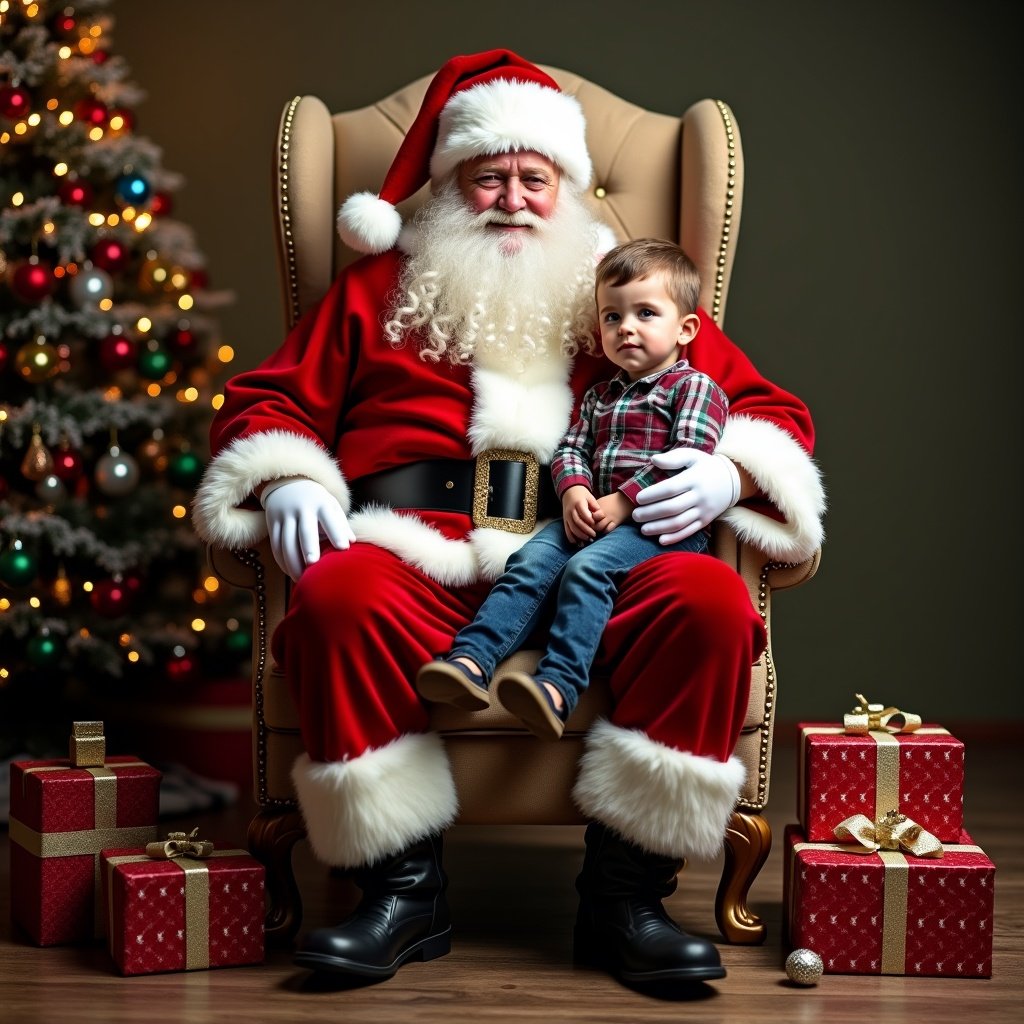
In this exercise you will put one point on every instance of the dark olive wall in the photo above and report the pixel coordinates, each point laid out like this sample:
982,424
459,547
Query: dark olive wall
877,276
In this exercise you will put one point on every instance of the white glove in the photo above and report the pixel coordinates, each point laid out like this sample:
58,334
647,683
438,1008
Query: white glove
298,510
675,508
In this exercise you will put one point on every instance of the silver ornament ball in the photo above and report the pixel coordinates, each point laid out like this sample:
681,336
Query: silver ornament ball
51,489
90,286
804,967
117,473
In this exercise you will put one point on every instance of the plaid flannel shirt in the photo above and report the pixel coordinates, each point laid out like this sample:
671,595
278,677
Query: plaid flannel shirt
622,423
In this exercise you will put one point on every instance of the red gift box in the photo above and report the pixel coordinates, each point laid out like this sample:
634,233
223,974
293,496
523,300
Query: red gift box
839,774
891,913
61,817
183,914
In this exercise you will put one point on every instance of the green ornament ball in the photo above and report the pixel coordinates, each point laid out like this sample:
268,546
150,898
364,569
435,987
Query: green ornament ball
44,650
155,363
17,568
238,643
185,470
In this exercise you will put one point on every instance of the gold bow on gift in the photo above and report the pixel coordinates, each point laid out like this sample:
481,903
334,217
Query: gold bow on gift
893,831
180,844
866,717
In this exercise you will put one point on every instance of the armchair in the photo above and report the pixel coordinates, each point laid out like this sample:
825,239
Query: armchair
687,185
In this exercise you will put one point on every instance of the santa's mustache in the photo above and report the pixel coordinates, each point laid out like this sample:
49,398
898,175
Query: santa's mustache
520,219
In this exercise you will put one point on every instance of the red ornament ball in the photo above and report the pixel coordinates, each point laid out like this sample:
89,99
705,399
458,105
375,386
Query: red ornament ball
32,281
111,598
161,204
75,192
5,355
117,352
15,102
183,341
68,464
184,669
100,56
110,255
65,24
199,279
92,111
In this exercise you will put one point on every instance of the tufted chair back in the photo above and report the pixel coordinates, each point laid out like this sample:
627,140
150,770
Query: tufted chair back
655,175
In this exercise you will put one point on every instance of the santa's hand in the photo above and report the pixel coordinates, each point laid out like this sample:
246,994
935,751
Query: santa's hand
705,486
298,511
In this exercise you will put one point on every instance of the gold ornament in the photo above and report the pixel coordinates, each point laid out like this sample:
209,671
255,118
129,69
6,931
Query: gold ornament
159,276
152,455
38,461
37,360
61,589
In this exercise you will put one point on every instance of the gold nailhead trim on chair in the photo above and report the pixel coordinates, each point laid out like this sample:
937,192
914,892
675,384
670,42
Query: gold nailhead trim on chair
723,249
251,559
769,687
285,215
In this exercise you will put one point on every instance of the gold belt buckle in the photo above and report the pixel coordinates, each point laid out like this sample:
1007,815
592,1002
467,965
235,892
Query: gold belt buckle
481,486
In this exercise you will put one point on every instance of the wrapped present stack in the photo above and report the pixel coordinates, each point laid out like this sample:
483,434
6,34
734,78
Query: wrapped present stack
183,904
880,876
63,813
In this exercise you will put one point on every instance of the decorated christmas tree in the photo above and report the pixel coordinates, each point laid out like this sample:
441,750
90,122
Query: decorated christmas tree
110,359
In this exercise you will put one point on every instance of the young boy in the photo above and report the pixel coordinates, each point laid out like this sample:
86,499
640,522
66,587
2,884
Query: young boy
646,292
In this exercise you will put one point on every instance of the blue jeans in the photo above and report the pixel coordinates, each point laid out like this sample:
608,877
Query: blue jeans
587,579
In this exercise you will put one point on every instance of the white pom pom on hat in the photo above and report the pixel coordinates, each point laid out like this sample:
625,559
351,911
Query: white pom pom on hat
476,105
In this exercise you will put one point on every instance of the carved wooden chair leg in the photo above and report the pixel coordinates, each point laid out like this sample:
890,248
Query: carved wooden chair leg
748,841
272,835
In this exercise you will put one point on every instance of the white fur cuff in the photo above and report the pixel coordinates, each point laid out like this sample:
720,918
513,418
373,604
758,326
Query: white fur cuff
236,472
787,475
667,801
372,806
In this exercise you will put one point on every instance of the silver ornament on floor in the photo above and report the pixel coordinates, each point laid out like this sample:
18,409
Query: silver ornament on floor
804,967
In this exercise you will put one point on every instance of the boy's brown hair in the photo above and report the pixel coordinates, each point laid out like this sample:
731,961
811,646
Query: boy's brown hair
644,257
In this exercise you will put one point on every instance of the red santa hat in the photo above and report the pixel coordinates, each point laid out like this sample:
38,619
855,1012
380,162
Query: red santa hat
476,105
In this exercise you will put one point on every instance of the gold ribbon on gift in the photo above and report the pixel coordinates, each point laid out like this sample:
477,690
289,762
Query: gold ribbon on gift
197,893
866,717
102,836
893,831
896,886
180,844
887,754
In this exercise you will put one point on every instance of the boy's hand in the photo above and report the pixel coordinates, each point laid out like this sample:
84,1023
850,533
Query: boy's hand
581,514
617,508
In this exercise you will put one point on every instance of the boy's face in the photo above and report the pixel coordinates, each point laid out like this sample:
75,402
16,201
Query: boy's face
642,329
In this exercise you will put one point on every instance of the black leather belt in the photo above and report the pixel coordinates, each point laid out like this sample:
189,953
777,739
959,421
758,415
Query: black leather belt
501,488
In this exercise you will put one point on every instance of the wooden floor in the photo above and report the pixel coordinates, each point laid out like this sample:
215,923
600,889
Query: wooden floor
513,904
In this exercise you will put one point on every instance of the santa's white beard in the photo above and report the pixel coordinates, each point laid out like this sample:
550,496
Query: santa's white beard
471,290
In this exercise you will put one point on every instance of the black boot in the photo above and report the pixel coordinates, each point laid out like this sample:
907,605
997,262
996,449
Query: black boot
402,916
622,926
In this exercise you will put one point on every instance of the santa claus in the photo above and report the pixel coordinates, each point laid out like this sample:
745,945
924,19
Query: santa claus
465,339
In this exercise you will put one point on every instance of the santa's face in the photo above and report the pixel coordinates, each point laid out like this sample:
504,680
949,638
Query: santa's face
516,189
496,270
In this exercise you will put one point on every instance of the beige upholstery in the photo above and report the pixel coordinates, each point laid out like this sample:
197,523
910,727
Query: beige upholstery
679,178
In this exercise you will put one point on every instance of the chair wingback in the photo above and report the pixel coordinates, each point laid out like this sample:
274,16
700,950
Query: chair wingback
654,175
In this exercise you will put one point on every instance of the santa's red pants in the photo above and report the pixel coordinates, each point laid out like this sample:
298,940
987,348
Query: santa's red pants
677,651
